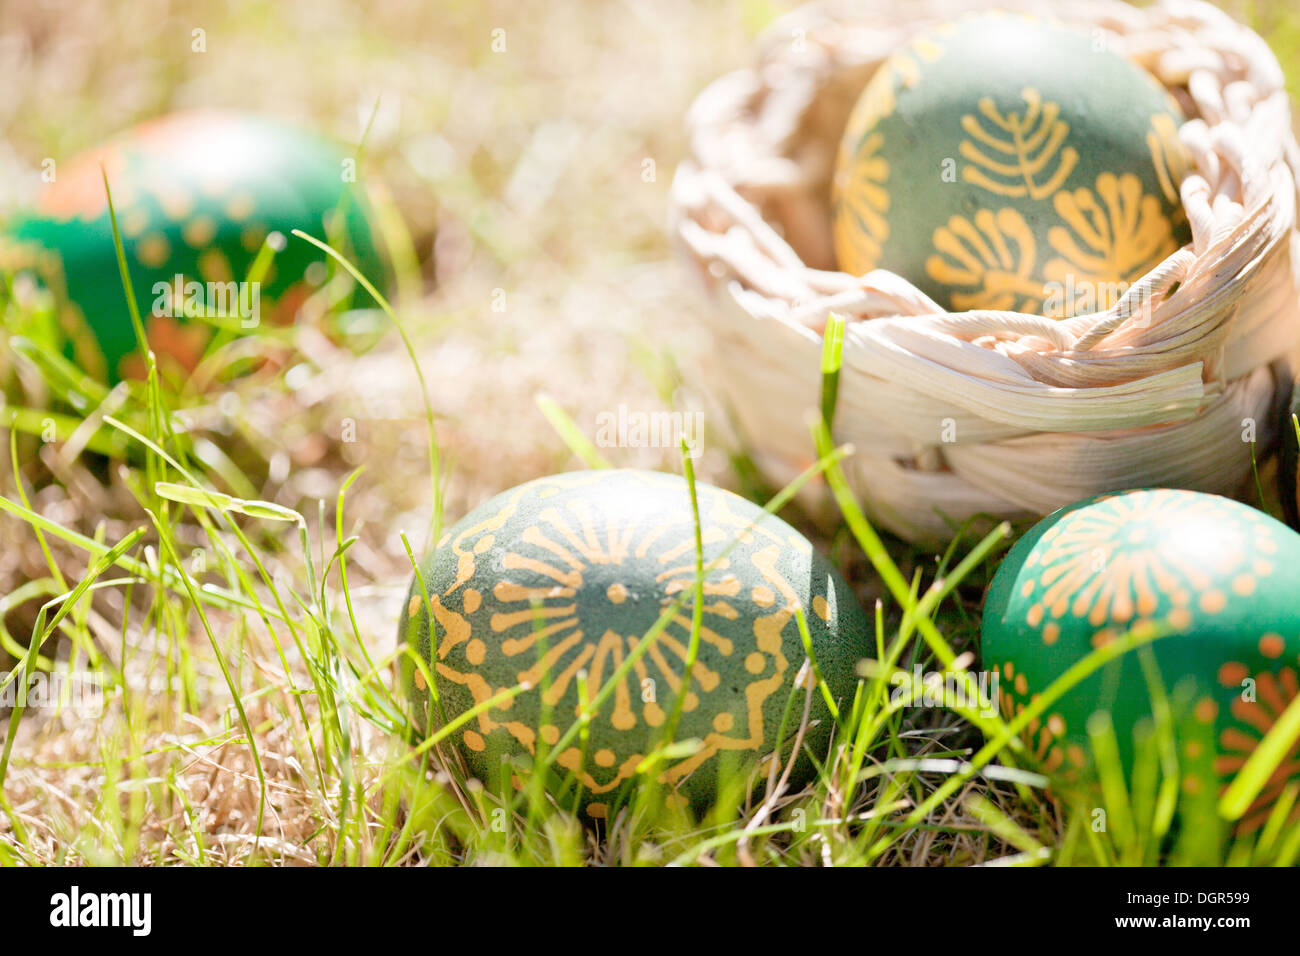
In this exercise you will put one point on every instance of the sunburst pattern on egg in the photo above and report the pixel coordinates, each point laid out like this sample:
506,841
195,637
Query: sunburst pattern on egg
1220,577
555,584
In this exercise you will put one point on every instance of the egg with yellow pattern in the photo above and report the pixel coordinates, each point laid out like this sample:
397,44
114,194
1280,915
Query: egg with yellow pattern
1219,578
1004,162
197,195
557,585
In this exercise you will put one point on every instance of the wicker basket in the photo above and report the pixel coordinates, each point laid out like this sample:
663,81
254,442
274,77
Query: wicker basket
954,415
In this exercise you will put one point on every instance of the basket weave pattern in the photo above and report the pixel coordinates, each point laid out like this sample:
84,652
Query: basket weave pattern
1012,415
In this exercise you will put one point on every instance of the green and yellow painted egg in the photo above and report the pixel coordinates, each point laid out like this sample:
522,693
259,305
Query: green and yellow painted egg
1288,468
1003,162
197,194
555,583
1222,580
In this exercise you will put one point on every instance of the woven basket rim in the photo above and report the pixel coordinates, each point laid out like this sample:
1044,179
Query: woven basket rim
745,194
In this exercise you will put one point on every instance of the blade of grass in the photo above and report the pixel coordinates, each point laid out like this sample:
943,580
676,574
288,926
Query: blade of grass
1262,763
435,522
569,431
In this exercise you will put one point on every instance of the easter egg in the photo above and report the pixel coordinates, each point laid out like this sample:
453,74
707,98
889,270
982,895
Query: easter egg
1004,162
1288,485
555,584
1220,577
197,194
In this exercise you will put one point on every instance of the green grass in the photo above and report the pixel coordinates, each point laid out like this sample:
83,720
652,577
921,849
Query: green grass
276,668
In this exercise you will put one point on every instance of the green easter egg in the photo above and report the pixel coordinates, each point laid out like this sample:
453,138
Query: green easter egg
601,555
196,196
1005,162
1223,577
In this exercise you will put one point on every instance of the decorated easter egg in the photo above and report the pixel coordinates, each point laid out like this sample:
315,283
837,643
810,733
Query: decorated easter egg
1288,487
1220,578
197,194
556,583
1004,162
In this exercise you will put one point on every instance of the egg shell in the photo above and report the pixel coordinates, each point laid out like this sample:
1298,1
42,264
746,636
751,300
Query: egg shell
196,194
1223,577
604,553
1004,162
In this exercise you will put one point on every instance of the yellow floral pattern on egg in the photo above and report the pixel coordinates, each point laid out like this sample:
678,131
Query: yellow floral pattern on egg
1018,154
861,195
989,263
861,227
992,180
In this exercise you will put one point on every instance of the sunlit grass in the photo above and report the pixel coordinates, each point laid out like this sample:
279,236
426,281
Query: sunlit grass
381,789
